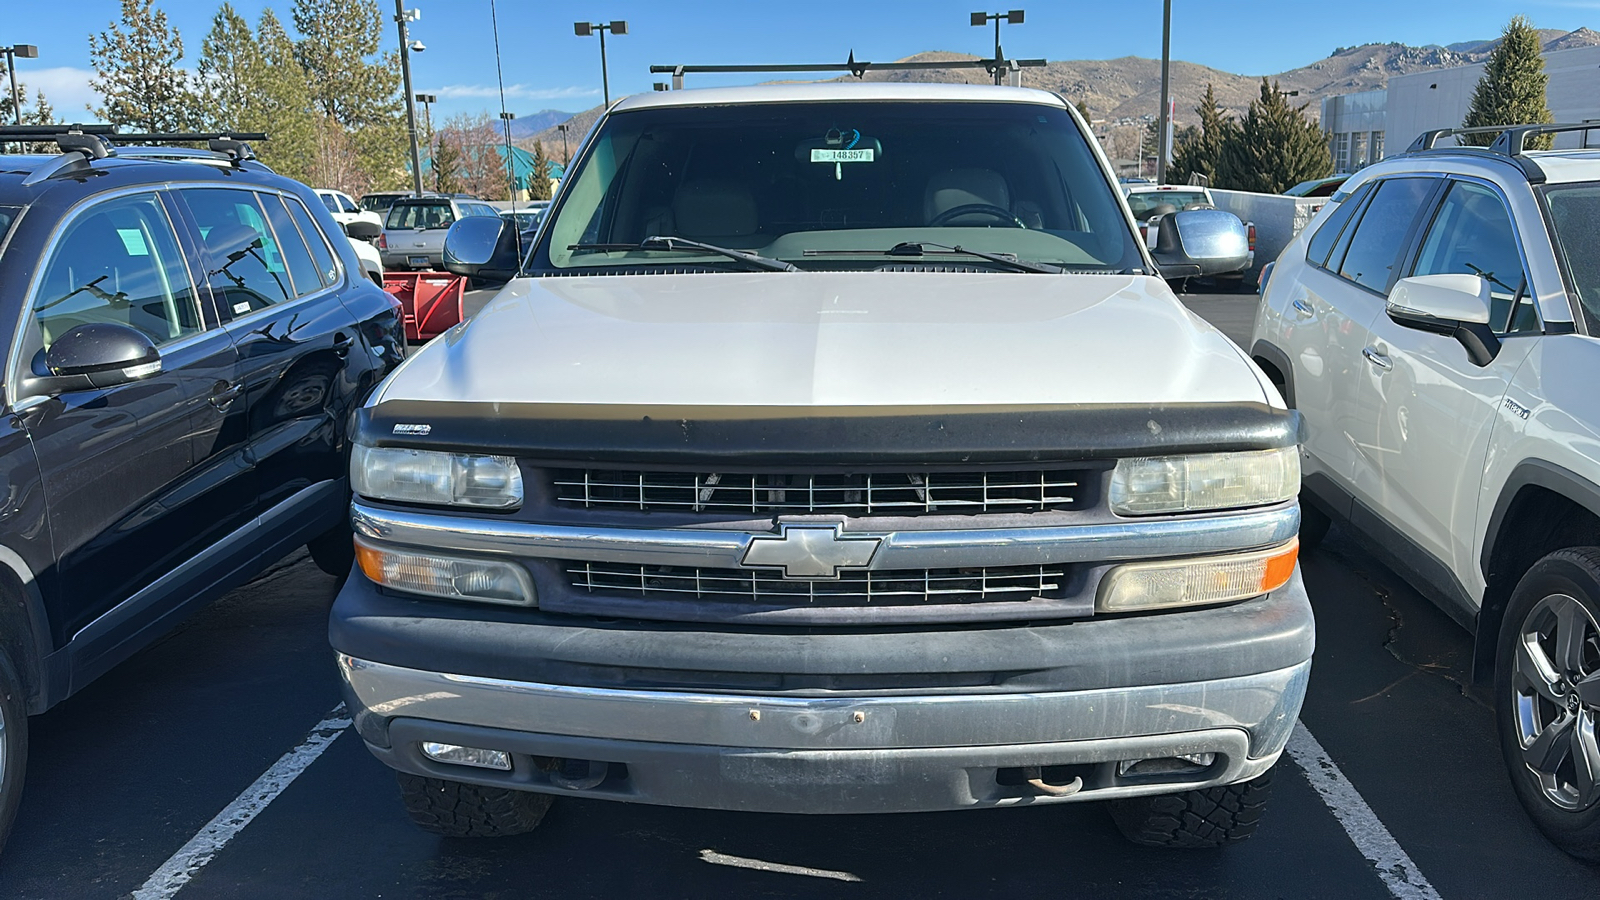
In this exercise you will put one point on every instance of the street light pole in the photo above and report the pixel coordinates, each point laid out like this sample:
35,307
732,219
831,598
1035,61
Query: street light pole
427,111
13,53
1164,135
401,17
584,29
566,158
511,163
979,19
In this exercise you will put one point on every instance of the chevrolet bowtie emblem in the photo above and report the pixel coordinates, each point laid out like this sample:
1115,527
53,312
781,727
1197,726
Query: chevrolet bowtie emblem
808,551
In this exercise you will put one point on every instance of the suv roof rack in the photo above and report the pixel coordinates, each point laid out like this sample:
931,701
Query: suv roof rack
82,144
1512,143
855,67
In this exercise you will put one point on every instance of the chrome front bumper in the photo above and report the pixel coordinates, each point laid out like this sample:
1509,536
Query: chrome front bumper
846,755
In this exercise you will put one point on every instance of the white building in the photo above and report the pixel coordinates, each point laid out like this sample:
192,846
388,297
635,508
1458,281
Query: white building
1362,127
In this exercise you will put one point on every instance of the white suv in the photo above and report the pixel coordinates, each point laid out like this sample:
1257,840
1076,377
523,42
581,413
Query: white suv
1435,327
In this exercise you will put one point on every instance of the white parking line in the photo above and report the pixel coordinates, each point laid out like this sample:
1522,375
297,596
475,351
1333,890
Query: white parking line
203,847
761,865
1404,880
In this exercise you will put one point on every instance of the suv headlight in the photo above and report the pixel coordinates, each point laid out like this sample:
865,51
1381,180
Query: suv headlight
1169,484
431,476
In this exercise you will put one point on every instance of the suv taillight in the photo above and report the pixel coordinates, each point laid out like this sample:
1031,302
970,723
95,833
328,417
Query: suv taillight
1252,237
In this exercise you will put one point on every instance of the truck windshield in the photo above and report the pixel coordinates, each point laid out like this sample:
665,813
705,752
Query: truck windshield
1575,215
830,185
1145,203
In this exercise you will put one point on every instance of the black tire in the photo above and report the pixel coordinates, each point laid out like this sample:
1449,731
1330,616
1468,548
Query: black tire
1545,607
13,745
453,809
1314,525
1211,817
334,551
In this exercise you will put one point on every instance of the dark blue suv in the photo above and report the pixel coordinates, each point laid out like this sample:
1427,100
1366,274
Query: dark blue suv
186,335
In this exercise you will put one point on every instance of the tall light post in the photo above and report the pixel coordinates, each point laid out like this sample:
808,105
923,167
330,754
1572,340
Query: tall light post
980,19
14,53
566,158
402,16
427,101
1164,135
584,29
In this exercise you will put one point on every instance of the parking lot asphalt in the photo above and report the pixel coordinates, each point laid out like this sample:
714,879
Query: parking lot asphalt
125,773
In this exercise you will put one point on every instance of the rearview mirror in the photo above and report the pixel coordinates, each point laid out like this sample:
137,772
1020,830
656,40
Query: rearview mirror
484,247
363,230
1453,305
1200,242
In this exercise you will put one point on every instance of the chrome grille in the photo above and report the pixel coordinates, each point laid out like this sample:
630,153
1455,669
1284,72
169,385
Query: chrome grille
877,493
888,588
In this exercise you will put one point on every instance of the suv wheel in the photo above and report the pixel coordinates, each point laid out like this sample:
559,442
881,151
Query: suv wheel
1210,817
13,745
1547,693
454,809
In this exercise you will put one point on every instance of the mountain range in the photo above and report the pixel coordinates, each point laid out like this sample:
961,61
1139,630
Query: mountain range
1130,88
526,126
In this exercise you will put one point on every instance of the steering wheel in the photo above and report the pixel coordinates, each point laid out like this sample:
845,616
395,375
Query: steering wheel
999,213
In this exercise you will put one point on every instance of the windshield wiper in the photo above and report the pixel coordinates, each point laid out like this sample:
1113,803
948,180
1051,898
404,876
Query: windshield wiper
658,242
919,248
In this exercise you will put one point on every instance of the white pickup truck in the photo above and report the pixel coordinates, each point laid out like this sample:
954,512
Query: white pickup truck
836,449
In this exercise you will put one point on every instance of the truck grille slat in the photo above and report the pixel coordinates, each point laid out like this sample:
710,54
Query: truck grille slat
850,494
852,588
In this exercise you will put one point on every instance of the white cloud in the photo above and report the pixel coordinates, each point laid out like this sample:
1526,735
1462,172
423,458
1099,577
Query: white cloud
65,87
513,92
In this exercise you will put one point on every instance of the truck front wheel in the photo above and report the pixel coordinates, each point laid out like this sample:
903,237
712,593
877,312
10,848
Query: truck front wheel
454,809
1210,817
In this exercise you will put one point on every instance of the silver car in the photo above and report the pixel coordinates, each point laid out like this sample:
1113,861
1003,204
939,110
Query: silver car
414,229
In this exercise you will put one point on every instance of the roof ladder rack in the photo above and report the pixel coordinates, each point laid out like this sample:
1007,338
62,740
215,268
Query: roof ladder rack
855,67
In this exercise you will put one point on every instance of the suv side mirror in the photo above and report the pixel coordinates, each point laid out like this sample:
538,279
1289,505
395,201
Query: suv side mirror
363,230
1200,242
1453,305
483,247
94,355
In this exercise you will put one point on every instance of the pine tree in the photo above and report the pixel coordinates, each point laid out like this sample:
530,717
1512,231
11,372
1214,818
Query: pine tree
539,178
282,106
1199,150
1083,109
230,60
1275,147
352,83
1512,90
137,72
446,164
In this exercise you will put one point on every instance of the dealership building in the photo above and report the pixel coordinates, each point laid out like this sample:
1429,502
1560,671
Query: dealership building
1362,127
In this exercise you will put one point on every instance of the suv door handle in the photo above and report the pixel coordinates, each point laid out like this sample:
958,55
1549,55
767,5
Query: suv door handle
1303,308
1377,359
342,343
224,395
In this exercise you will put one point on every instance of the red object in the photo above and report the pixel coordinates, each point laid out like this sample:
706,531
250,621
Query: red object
382,243
1252,237
431,301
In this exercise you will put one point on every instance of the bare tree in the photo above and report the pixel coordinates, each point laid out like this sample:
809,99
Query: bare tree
335,163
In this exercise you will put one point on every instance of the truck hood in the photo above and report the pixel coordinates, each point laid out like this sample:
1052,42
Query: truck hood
831,339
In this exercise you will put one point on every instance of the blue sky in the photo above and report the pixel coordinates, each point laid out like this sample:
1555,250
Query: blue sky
546,66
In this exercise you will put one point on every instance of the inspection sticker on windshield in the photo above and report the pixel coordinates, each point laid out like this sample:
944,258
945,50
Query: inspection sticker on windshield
820,155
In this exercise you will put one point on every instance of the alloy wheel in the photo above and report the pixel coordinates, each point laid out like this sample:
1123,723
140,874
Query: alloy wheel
1555,692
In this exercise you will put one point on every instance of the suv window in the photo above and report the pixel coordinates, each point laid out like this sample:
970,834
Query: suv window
1575,219
411,214
1472,234
303,271
246,272
1380,235
1322,242
330,202
118,262
328,269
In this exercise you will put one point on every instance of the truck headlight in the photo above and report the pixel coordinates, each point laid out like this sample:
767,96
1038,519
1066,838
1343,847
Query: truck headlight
430,476
440,575
1138,587
1145,486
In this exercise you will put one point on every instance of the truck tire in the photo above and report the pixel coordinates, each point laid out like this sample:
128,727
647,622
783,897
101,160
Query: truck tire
1210,817
454,809
1547,697
13,745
